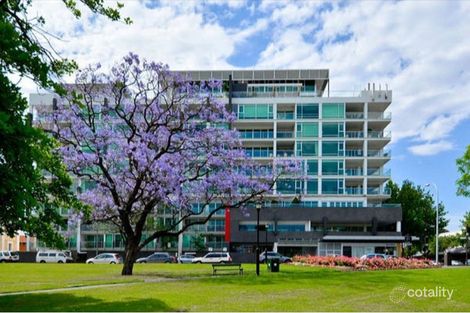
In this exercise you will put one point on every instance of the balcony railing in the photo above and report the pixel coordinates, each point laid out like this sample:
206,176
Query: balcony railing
378,191
353,190
354,172
378,134
379,153
354,134
285,115
354,115
379,115
285,153
259,153
285,134
378,172
256,134
354,153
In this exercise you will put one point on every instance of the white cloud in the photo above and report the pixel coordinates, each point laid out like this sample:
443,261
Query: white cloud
431,148
419,48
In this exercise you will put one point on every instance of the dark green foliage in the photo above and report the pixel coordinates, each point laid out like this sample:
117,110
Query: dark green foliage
419,212
463,166
33,182
199,243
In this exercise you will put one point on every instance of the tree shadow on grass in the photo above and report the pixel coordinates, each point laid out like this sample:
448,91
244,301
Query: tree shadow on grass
53,302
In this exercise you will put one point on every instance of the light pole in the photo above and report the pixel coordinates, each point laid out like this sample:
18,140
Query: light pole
258,208
437,219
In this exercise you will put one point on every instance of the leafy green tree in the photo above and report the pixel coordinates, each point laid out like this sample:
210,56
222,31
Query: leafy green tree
34,184
199,243
463,167
446,242
419,212
465,222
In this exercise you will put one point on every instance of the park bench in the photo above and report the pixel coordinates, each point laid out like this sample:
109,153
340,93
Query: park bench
227,267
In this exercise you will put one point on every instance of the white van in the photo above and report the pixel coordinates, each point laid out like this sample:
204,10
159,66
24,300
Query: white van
51,256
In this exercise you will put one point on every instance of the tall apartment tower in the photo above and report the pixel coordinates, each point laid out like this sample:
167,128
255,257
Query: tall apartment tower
336,207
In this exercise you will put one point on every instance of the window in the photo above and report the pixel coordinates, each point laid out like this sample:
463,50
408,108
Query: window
289,186
307,110
332,167
307,148
255,111
290,227
252,227
312,186
306,130
312,167
329,248
333,148
333,110
108,241
333,130
259,152
332,186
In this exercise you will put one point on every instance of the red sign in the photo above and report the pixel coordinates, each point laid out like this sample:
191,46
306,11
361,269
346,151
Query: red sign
227,225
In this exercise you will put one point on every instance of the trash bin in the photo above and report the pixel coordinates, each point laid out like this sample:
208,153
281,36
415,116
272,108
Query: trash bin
273,265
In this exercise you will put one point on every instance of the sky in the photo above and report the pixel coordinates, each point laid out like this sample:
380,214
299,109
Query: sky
419,49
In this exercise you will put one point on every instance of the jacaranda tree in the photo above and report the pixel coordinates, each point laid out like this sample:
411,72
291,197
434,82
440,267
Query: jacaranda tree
150,142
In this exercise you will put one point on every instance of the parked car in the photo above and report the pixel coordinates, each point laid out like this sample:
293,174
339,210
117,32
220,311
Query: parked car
374,255
214,257
105,258
274,255
15,256
157,257
186,258
50,256
5,256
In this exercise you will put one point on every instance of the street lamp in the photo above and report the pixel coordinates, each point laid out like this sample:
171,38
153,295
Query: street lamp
258,208
437,219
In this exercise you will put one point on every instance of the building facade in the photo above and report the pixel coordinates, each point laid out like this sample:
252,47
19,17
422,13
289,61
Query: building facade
336,206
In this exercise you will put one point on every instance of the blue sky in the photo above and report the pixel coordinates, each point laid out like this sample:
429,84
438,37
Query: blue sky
419,49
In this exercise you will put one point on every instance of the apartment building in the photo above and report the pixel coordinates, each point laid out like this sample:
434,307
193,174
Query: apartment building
335,207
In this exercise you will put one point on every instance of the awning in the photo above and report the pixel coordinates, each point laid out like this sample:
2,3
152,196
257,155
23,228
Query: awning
367,238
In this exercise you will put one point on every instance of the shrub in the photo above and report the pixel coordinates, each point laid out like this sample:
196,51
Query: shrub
370,264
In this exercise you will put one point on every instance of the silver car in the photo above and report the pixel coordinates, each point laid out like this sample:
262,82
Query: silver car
105,258
186,258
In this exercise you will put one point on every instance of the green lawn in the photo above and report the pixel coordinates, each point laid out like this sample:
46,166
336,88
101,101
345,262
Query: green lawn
176,287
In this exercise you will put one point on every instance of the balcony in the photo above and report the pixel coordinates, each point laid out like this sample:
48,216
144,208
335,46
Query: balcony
285,115
256,134
353,190
354,153
379,115
354,115
379,134
285,153
285,134
354,172
259,153
354,134
378,172
378,191
379,153
293,91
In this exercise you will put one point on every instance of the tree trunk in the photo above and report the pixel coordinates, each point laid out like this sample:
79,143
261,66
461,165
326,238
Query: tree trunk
129,258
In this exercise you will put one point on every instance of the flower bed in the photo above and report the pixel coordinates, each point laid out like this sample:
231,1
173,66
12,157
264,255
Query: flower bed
367,264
